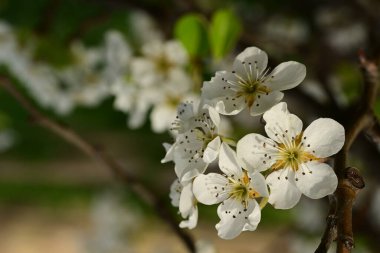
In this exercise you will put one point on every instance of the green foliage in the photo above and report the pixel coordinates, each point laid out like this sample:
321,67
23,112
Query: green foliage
224,32
191,30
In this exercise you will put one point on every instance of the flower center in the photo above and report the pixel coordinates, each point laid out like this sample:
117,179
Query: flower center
251,89
241,189
163,64
292,155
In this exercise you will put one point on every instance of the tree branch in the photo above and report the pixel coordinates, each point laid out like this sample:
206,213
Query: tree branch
145,194
349,179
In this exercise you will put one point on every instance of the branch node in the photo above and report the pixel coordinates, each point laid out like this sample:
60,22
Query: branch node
352,174
348,242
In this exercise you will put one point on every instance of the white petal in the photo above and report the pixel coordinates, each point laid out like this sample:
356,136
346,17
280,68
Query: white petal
161,118
254,56
233,217
316,180
281,125
186,201
212,150
264,102
169,156
258,184
254,218
287,75
284,193
186,169
210,189
185,111
218,94
214,115
228,162
192,220
256,152
175,192
324,136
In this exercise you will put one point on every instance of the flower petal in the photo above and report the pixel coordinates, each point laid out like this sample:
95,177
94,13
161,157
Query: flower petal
264,102
175,192
186,169
284,193
228,162
219,94
323,137
285,76
161,117
210,189
254,218
185,111
256,152
281,125
214,115
186,201
192,220
169,156
258,184
233,217
253,56
212,150
316,180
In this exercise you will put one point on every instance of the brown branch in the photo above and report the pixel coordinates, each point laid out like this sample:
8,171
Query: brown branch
349,179
144,193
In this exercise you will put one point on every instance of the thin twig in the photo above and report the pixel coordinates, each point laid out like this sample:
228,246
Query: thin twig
146,195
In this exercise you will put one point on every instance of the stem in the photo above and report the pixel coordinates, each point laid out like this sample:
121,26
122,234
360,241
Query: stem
69,135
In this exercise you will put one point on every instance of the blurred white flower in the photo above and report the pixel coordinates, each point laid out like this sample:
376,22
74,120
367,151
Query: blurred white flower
286,30
84,81
160,62
117,56
143,27
112,225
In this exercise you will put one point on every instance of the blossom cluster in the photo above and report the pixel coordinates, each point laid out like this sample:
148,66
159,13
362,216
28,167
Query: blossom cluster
142,79
254,170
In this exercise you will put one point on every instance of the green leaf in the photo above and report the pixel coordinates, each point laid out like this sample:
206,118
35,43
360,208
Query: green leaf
224,32
191,31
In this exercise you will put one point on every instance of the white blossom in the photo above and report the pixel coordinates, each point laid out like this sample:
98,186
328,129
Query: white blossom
199,143
237,192
294,157
251,84
181,195
160,62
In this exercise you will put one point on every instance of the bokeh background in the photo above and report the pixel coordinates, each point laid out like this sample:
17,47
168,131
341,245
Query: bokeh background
53,198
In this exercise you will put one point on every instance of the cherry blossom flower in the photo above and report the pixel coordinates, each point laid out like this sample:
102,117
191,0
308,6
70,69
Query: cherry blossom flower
199,143
181,195
294,157
237,192
251,84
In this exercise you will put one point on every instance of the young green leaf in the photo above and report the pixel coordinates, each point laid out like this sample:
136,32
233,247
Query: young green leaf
224,32
191,31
